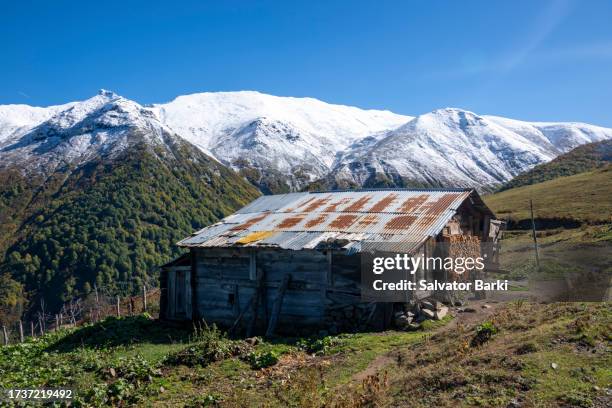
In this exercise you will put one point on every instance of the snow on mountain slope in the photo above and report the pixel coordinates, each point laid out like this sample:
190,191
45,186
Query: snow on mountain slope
453,147
563,136
100,126
266,129
290,142
15,120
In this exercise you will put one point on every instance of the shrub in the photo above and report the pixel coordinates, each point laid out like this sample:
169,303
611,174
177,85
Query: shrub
321,345
484,332
211,345
262,359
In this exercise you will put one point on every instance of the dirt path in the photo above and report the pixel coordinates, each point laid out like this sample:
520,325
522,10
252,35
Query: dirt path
481,311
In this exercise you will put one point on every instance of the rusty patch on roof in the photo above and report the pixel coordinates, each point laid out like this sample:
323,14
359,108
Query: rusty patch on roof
343,221
316,221
401,222
303,203
367,220
334,206
250,222
358,204
384,203
290,221
316,204
413,203
441,204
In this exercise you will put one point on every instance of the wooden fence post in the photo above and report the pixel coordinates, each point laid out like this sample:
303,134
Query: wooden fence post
5,334
57,322
32,329
118,308
20,331
144,298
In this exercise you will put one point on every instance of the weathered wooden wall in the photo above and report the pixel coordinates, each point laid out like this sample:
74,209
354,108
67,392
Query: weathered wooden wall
227,279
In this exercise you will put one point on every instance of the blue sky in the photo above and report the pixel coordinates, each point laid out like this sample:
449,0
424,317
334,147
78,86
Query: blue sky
532,60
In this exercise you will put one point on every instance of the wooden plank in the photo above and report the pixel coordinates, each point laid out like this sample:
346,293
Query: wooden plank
171,293
188,295
241,315
236,300
255,306
252,266
278,302
193,282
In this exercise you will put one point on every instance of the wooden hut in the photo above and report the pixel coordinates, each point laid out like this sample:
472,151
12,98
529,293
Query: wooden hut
291,263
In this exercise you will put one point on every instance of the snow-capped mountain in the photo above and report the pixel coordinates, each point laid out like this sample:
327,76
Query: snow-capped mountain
284,143
454,147
296,139
44,139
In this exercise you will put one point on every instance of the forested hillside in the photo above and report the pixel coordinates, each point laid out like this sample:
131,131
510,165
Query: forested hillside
111,222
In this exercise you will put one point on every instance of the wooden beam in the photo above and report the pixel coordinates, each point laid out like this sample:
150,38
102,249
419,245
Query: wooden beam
255,308
278,302
252,266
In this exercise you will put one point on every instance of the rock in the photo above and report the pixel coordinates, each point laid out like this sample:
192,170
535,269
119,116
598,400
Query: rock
458,303
554,366
162,389
467,310
112,372
429,314
485,306
426,304
441,312
514,404
402,321
413,327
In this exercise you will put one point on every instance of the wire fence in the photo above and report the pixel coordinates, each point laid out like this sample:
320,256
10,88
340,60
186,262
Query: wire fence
96,306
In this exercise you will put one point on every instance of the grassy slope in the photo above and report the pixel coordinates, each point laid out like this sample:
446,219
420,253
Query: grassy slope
437,367
586,197
516,364
587,157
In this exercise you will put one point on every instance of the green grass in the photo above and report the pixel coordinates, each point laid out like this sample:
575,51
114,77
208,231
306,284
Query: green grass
126,361
452,372
432,367
584,197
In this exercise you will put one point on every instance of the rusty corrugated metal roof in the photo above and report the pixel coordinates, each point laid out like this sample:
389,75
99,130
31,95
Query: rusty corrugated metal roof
307,220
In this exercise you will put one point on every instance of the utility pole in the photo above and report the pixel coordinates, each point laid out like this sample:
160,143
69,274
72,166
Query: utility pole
533,232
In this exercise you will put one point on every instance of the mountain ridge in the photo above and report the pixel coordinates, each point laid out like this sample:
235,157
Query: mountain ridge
283,144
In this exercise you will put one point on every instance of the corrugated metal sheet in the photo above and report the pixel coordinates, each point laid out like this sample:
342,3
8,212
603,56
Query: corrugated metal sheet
309,220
